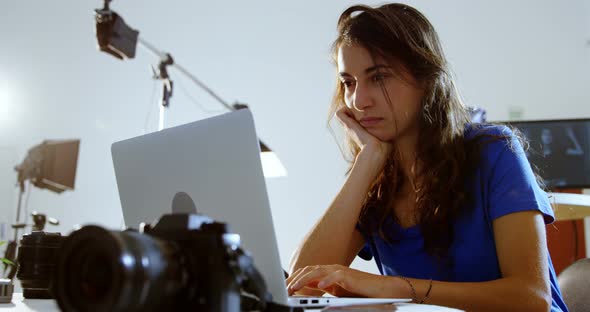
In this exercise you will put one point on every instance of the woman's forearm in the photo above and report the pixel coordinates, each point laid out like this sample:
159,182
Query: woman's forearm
504,294
330,239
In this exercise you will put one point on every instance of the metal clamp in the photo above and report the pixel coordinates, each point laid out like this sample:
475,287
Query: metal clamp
6,290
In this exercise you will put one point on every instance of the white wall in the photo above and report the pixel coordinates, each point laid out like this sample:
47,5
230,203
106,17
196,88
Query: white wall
7,190
272,55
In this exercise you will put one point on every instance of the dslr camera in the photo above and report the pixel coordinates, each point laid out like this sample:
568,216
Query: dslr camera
183,262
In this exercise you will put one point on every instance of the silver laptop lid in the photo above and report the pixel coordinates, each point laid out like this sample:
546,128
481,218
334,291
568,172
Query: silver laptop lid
216,163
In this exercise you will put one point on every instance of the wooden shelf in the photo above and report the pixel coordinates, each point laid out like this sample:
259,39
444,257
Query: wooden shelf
568,206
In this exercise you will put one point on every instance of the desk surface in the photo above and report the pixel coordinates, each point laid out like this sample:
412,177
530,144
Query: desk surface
29,305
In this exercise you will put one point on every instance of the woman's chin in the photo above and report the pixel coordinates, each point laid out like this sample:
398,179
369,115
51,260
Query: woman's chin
384,137
382,134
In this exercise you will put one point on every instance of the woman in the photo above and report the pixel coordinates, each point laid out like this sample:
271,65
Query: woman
451,212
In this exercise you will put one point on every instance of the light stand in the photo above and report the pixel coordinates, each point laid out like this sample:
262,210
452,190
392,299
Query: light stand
10,252
119,40
21,192
50,165
162,74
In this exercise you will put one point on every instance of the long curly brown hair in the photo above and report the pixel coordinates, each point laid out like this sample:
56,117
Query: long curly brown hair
404,37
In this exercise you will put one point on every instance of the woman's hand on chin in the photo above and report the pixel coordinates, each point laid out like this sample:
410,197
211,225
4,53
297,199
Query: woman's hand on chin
371,148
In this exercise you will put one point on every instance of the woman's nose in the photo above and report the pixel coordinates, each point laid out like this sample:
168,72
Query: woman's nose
361,99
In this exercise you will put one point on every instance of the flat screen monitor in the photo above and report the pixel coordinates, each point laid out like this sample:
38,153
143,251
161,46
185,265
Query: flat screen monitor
560,150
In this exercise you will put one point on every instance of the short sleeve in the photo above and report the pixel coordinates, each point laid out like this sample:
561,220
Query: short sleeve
513,186
365,253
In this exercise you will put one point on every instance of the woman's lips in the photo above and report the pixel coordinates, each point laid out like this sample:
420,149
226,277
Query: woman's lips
370,121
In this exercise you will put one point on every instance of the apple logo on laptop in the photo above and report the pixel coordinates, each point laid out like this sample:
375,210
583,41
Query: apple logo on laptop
183,203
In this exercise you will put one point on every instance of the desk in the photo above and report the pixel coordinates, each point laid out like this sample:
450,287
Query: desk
37,305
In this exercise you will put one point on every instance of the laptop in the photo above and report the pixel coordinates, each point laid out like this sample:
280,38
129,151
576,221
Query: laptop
210,167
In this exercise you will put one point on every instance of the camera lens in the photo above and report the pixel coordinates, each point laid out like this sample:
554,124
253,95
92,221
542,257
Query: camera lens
94,278
101,270
36,258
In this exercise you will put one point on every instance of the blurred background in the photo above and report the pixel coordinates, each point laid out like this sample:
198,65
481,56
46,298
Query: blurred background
526,59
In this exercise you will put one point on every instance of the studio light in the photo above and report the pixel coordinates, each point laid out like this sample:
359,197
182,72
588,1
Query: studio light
50,165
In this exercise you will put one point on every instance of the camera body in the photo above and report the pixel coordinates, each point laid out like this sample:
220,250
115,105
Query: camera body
182,262
36,260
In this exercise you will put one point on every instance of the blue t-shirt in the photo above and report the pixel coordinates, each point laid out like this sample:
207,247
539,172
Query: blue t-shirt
502,184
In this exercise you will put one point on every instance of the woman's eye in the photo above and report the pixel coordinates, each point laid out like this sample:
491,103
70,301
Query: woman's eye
378,77
348,83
